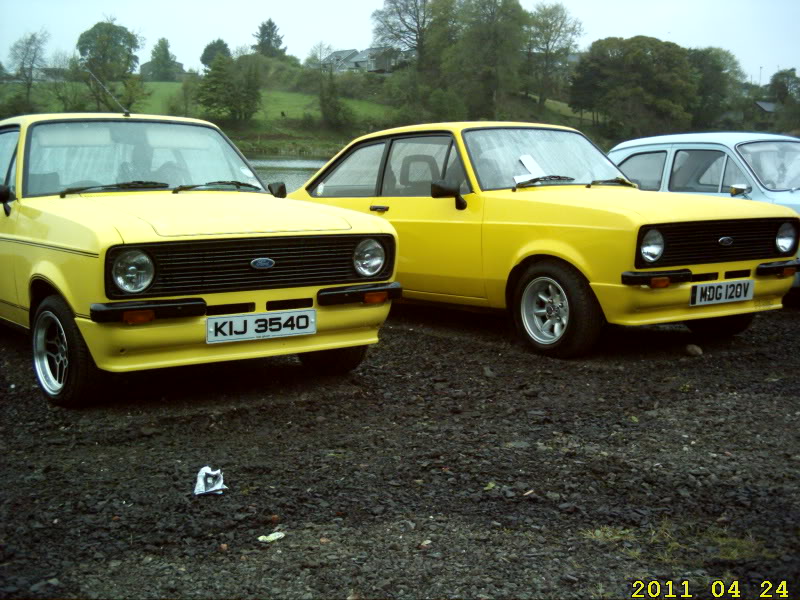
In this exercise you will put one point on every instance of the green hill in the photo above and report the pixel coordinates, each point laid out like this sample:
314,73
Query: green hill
290,122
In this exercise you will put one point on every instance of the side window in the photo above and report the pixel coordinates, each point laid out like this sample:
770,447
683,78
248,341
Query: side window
8,146
413,164
698,171
355,176
733,175
645,169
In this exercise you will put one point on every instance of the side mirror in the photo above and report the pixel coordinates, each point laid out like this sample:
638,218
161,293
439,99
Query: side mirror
740,189
441,189
5,197
277,189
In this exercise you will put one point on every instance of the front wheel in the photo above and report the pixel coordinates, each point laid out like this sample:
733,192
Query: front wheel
555,310
720,327
64,368
338,361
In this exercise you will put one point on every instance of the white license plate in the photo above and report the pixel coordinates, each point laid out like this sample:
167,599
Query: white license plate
718,293
238,328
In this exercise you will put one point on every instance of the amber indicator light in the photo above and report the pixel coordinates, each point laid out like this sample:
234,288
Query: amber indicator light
375,297
137,317
659,282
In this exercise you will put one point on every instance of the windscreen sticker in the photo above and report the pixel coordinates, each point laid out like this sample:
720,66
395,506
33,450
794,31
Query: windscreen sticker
534,170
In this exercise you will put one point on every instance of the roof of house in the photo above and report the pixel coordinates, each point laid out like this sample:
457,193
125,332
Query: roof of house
766,106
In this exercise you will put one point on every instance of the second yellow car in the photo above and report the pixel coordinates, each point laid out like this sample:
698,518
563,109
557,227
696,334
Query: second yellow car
536,219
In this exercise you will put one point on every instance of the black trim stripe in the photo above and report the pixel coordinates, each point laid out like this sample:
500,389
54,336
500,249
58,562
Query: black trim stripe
50,247
17,306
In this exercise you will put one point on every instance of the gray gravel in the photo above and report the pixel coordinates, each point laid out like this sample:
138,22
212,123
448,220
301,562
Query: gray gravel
452,464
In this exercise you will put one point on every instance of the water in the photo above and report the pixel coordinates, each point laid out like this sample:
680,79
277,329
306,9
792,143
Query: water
294,172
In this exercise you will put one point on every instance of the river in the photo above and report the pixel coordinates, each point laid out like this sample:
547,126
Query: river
294,172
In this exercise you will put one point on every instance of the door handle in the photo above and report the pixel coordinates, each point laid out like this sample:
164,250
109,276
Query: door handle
378,208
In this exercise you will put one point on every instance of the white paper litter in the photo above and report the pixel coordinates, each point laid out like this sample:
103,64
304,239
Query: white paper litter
209,482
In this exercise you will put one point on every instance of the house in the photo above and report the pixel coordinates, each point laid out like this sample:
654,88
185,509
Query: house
375,60
765,114
339,61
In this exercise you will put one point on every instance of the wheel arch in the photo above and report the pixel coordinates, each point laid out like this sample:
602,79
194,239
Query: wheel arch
519,269
41,288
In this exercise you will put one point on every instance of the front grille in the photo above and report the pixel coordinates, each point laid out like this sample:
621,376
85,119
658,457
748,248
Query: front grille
698,242
214,266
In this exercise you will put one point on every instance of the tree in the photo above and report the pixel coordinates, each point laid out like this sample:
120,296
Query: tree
108,51
785,86
231,88
443,34
185,100
485,60
550,38
318,53
268,41
643,85
719,77
162,66
67,83
27,57
404,24
211,50
335,113
446,106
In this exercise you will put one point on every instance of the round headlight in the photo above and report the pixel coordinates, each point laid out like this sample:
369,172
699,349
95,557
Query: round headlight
369,258
786,238
132,271
652,245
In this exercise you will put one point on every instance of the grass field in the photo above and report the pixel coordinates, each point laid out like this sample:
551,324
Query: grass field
289,122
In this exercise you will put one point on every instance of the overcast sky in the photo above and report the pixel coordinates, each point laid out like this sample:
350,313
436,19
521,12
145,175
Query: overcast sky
762,34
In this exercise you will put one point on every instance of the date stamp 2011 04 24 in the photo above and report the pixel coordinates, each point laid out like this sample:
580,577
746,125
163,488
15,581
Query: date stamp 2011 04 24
656,590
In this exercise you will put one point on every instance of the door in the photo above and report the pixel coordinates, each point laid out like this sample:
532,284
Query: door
9,308
440,246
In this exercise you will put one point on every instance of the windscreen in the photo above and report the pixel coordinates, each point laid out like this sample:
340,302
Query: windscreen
72,154
776,164
499,155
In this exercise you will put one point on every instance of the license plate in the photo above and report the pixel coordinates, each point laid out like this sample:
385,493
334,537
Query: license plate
718,293
239,328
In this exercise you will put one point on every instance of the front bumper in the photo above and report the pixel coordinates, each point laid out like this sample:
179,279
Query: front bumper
652,297
174,333
195,307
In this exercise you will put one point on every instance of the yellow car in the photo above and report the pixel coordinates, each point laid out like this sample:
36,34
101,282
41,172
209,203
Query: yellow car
131,242
535,219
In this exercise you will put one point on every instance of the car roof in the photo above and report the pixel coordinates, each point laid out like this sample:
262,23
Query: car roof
726,138
457,126
25,120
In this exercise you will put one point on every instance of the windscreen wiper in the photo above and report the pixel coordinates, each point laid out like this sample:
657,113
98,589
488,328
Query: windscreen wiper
616,180
237,184
125,185
536,180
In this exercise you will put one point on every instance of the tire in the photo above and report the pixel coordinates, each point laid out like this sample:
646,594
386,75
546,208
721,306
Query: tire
555,310
720,327
64,368
338,361
792,298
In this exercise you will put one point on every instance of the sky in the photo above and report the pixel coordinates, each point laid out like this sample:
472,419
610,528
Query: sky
761,34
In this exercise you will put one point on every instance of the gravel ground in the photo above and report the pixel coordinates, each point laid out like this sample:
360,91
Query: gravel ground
452,464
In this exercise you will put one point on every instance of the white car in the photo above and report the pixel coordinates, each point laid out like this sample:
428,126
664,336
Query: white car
758,166
752,165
